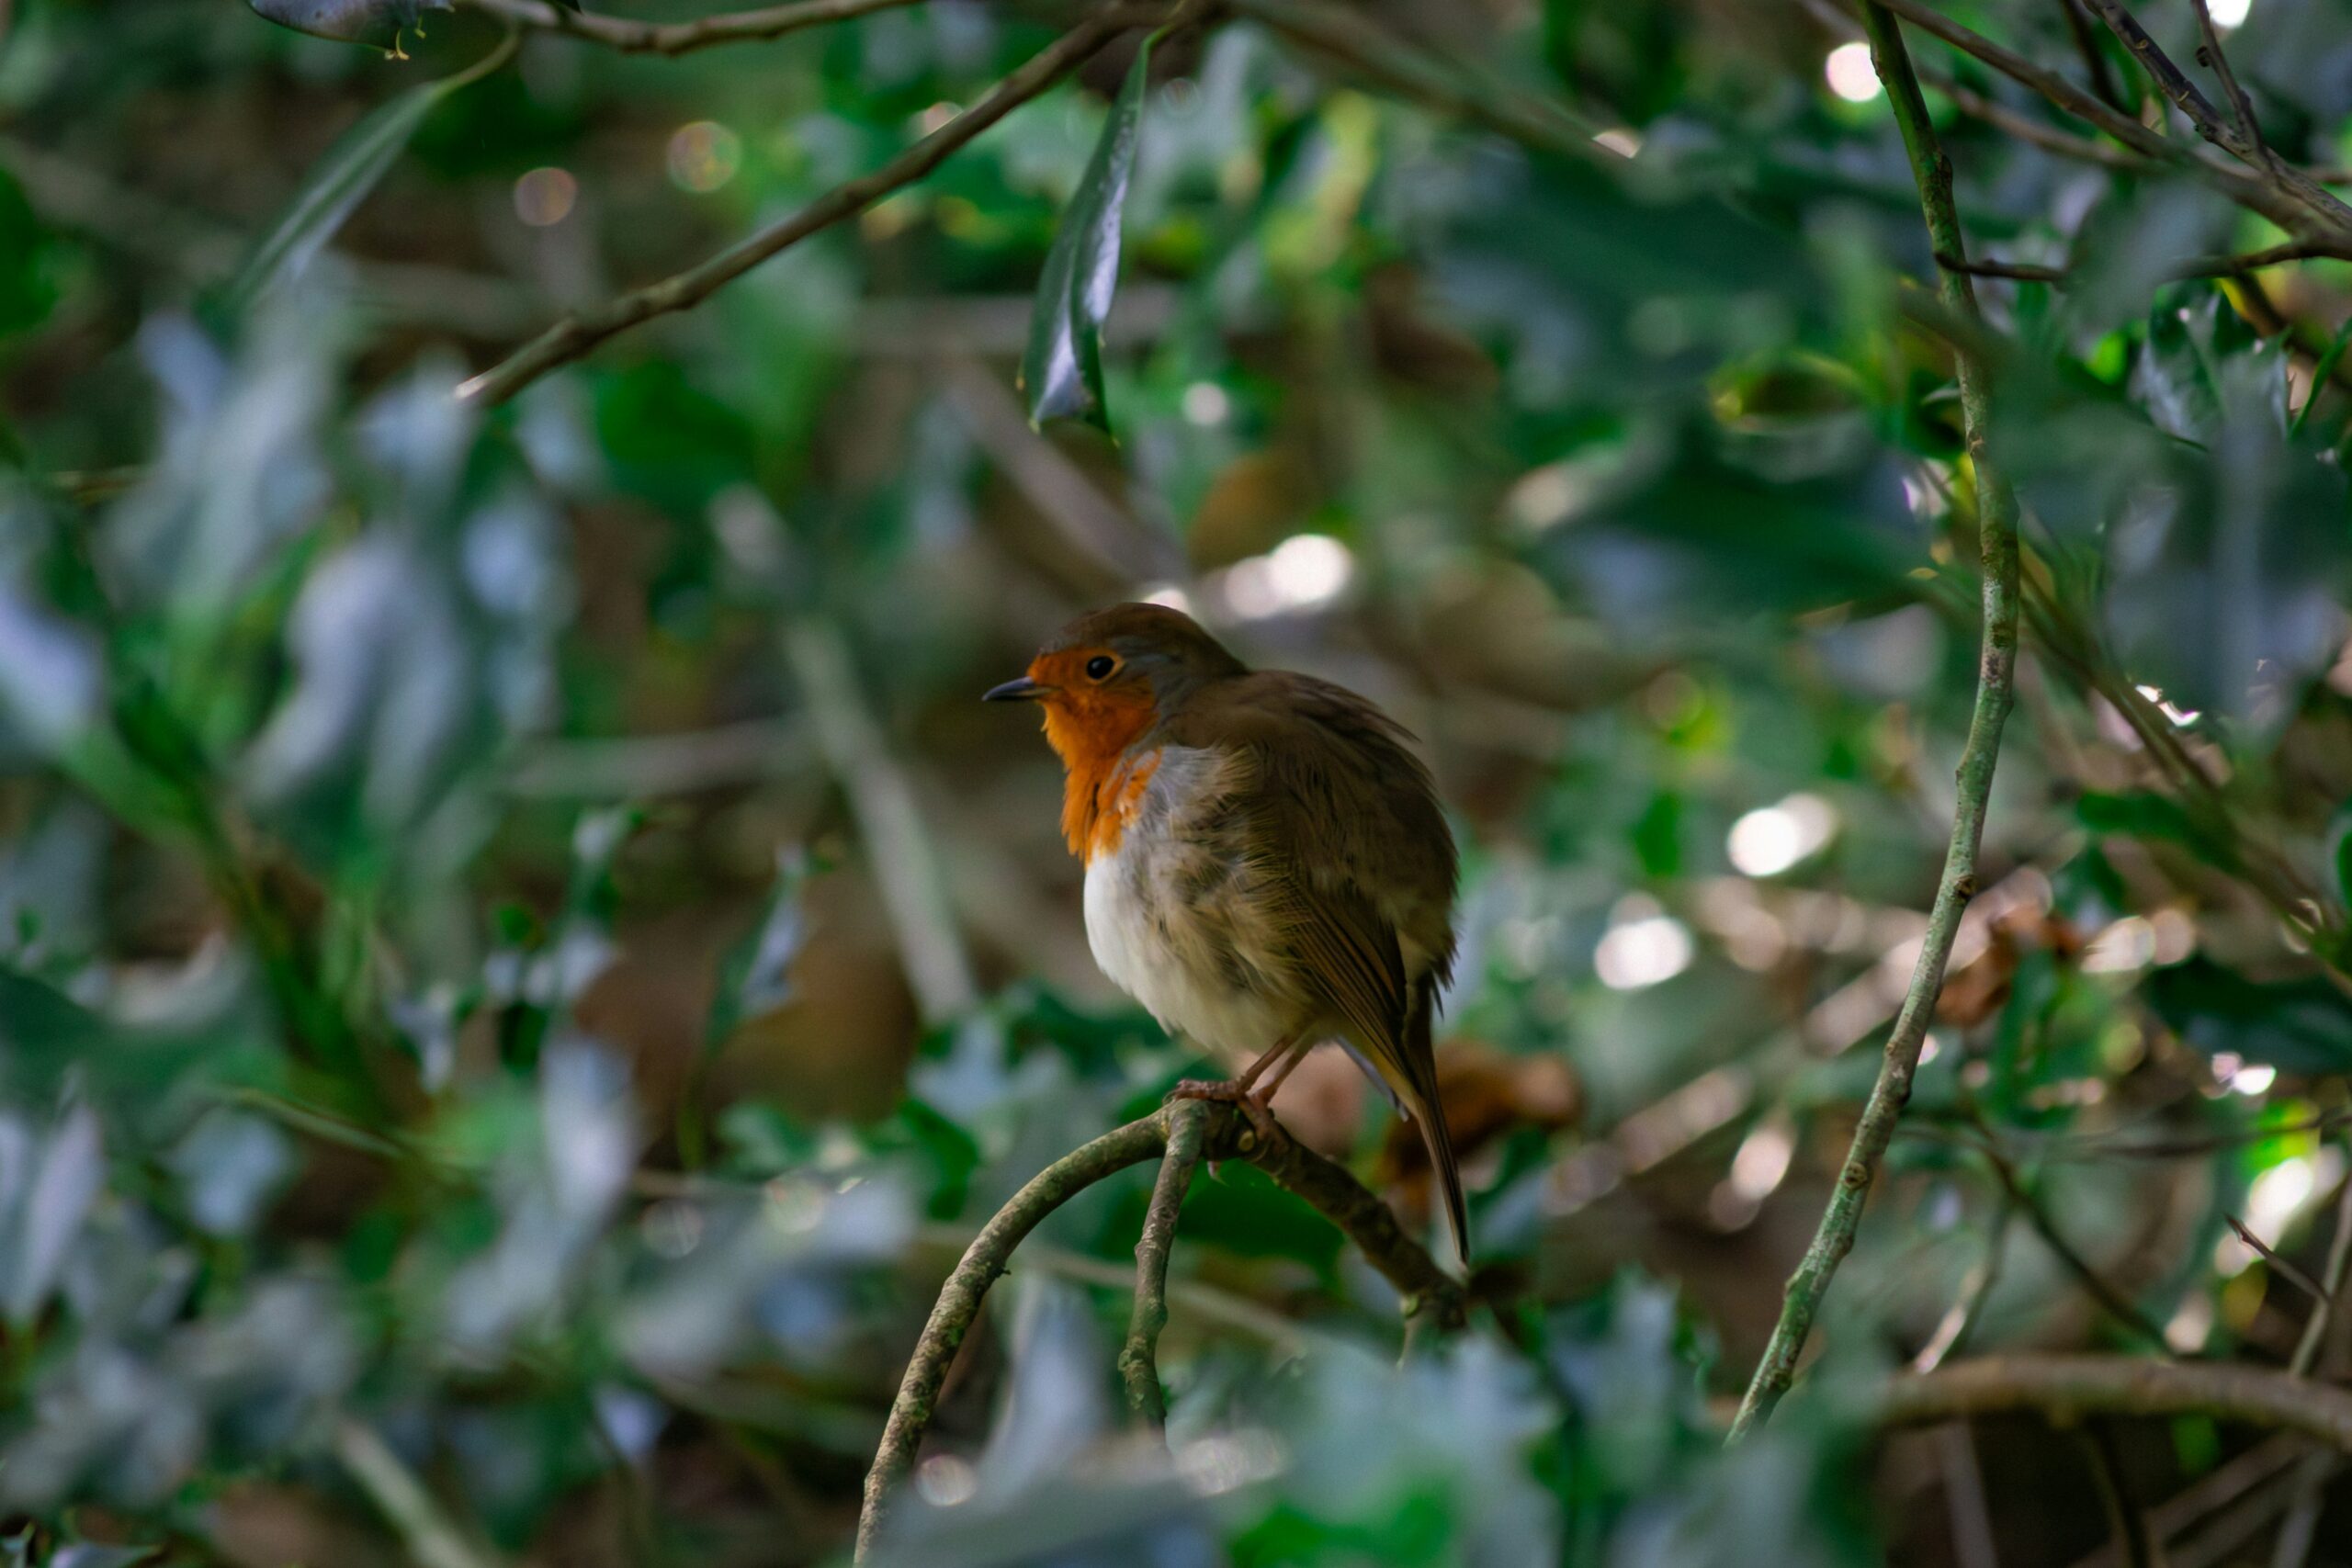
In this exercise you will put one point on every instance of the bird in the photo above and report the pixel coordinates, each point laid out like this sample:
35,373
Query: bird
1267,865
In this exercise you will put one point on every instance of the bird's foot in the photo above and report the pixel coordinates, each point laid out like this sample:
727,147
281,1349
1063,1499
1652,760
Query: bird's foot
1225,1091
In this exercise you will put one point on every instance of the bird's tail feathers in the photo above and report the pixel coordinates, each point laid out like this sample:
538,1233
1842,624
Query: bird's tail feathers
1416,1096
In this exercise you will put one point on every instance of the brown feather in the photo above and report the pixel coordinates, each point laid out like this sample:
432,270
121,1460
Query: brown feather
1353,855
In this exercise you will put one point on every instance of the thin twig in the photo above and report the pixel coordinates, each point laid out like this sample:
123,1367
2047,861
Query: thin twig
2309,1496
1995,692
2339,1254
1352,36
1138,1362
647,767
2252,1471
1282,1335
2211,52
2068,1389
2125,1522
2078,26
682,38
1430,1297
2218,265
2111,1300
2279,1263
434,1540
2239,142
1952,1333
577,335
1972,1520
907,867
2263,196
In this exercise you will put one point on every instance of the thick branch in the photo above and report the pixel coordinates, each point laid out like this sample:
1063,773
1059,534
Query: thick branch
1431,1295
2067,1389
576,336
681,37
1139,1361
1998,544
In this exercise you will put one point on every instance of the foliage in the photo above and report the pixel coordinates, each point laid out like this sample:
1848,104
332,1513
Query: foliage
522,962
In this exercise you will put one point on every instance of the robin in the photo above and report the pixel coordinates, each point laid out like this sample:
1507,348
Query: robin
1266,865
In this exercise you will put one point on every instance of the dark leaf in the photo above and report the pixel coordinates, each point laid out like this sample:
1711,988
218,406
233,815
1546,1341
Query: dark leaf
377,22
352,168
1062,371
757,977
2301,1026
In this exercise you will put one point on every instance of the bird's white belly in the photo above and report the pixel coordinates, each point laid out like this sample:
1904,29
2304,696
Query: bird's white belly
1143,940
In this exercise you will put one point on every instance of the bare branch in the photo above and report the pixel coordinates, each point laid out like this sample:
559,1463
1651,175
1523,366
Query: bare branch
1138,1362
576,336
1997,542
1352,38
2067,1389
2078,26
2331,1288
2113,1302
1431,1298
890,822
2263,196
681,37
2223,266
2218,60
2239,140
2281,1264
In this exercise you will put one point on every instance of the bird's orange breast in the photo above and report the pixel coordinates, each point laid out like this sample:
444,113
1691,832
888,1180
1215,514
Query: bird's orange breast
1094,730
1099,803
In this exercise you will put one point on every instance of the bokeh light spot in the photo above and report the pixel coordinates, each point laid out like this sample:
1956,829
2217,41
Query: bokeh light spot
544,198
1851,76
705,156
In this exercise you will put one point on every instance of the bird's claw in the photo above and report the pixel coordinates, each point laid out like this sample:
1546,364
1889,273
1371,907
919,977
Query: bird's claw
1263,1129
1225,1091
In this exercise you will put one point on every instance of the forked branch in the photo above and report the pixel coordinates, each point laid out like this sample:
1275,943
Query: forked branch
1203,1131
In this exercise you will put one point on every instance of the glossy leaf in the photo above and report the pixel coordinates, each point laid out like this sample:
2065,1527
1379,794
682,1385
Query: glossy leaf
351,169
381,23
1061,374
2301,1026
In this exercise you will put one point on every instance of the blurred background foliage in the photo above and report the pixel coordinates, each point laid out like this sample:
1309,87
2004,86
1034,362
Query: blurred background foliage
522,961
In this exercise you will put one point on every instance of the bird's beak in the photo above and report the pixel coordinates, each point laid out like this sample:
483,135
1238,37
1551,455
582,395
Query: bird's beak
1024,690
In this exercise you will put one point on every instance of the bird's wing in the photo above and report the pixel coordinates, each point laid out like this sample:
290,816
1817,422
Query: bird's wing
1353,866
1351,861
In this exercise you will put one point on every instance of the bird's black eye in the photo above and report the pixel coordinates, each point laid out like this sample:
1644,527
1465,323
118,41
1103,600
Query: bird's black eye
1099,668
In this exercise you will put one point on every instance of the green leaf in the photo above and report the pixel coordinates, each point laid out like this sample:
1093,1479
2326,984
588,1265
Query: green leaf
28,289
2302,1026
2150,817
341,181
1062,371
757,977
377,22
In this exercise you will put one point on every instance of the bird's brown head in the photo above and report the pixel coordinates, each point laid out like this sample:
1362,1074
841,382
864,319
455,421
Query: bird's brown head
1106,680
